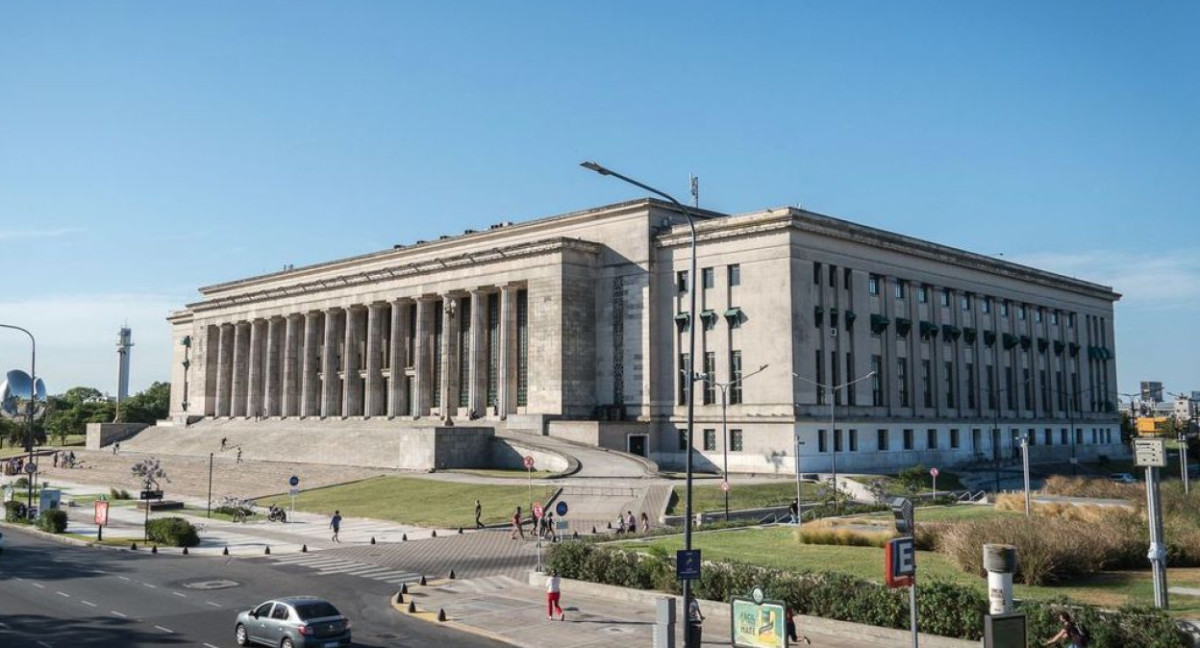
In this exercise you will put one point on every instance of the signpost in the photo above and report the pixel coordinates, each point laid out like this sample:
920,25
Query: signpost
900,559
100,516
293,481
529,470
756,622
933,472
537,510
687,564
725,485
1151,454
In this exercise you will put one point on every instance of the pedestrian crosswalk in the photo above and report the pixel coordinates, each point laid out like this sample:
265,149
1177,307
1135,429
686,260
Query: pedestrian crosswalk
325,566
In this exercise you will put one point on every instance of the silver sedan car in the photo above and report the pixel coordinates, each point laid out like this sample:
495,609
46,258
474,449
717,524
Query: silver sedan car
294,622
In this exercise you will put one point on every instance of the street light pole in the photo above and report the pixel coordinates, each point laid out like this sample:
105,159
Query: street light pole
691,375
1182,439
30,408
832,393
725,431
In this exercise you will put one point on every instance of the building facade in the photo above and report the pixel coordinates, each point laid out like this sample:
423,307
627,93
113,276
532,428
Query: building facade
877,350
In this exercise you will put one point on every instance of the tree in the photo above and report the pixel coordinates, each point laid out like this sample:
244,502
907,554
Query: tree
148,406
149,472
912,478
77,395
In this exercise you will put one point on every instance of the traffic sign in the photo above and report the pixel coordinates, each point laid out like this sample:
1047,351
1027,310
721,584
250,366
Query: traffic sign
687,564
294,481
902,510
293,491
900,562
725,485
933,472
151,494
30,468
537,510
1150,453
528,462
560,509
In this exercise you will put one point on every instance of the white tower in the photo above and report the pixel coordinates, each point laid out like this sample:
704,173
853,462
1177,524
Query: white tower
124,343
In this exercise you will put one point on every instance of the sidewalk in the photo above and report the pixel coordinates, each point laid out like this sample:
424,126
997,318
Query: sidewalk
599,616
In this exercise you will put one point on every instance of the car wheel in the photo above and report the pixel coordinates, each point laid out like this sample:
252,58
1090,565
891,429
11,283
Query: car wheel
286,643
242,638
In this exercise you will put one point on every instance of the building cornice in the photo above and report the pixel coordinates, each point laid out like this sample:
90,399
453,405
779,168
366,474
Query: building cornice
403,270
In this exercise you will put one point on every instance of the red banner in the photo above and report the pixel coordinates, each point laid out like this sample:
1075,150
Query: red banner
101,512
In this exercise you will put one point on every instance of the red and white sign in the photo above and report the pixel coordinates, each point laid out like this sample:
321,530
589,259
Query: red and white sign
101,512
537,510
725,485
528,463
900,562
933,472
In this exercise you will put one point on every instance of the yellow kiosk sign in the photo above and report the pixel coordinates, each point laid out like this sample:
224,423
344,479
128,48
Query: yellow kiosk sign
758,623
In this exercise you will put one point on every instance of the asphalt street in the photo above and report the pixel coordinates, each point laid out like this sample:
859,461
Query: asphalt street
54,595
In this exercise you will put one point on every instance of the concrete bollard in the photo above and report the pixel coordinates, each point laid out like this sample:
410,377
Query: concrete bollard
451,574
267,550
412,607
1000,561
398,598
185,551
441,614
422,583
372,539
459,530
403,536
404,588
132,547
433,534
153,549
303,548
226,552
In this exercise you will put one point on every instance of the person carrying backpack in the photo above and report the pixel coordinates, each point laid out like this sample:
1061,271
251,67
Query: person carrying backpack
1071,635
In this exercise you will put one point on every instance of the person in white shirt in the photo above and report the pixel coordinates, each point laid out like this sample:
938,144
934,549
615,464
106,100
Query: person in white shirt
553,592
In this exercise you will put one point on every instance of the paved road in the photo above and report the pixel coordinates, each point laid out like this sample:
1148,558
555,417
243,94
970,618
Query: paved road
56,595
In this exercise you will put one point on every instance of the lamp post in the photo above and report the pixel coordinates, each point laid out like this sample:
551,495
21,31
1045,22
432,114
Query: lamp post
996,436
30,407
691,375
832,393
724,429
1182,439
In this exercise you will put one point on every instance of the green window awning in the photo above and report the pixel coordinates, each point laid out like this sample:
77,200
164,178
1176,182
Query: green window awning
682,320
1010,340
1074,348
950,332
879,323
708,315
1026,341
989,337
1043,344
968,334
733,314
903,326
928,330
1059,345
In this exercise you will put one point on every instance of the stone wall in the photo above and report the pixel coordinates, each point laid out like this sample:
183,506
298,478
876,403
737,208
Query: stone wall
103,434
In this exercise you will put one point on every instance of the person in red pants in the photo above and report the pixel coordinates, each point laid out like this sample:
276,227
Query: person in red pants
553,593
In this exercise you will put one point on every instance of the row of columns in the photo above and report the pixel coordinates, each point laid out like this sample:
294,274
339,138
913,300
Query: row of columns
371,360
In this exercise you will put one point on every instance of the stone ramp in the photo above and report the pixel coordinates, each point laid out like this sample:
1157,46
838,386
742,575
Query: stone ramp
594,462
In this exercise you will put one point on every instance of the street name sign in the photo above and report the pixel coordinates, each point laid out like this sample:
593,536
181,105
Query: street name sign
1150,453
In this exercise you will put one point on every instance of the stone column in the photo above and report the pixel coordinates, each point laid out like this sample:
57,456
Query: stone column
374,404
397,404
331,364
274,365
477,397
310,363
254,393
352,391
224,369
241,367
423,358
507,389
449,353
290,398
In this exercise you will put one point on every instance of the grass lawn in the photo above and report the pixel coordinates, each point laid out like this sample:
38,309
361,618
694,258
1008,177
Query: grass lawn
709,497
779,547
506,474
411,500
945,482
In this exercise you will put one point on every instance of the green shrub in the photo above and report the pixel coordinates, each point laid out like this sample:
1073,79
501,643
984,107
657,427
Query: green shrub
172,532
1129,627
118,494
14,511
20,482
52,521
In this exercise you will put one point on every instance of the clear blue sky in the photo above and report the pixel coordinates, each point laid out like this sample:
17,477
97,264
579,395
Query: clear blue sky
149,148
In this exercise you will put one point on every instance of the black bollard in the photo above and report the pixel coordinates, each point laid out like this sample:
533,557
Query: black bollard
451,574
304,548
226,552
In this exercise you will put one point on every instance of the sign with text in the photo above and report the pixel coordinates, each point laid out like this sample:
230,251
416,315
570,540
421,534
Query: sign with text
687,564
900,562
1150,453
757,625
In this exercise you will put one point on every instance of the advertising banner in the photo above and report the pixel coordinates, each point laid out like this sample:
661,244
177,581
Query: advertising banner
758,625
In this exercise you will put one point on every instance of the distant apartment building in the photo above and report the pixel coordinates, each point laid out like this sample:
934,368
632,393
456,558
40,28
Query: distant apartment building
577,325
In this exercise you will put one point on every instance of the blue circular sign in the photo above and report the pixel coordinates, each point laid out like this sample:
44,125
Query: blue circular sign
561,509
294,481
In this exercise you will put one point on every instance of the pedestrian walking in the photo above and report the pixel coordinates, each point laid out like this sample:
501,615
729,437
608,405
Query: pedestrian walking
56,460
548,526
239,455
620,523
645,522
335,523
790,620
478,514
517,529
794,511
553,595
116,448
631,522
224,441
695,622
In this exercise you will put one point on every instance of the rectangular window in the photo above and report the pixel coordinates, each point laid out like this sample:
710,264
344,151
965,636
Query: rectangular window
1039,314
1054,317
816,273
735,275
834,377
1062,437
851,394
923,294
877,380
522,349
1046,403
954,438
735,376
931,439
493,344
948,369
908,439
927,383
853,440
821,443
438,324
684,370
820,367
1028,384
1021,312
710,440
1010,388
847,278
681,281
987,304
1078,437
991,387
464,352
833,276
971,399
1070,321
873,284
735,440
1047,436
965,300
902,380
710,372
881,439
709,277
683,440
1004,308
837,440
945,296
898,289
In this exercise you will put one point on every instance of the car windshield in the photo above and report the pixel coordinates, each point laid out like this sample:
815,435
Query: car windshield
316,610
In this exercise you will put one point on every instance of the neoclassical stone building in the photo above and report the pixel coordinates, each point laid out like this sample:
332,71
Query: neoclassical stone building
576,326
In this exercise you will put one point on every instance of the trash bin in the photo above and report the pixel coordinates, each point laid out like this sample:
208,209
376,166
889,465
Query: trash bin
694,632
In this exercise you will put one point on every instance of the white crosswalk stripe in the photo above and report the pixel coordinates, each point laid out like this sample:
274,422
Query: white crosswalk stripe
327,566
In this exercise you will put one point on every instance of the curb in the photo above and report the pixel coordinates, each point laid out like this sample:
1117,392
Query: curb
431,617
